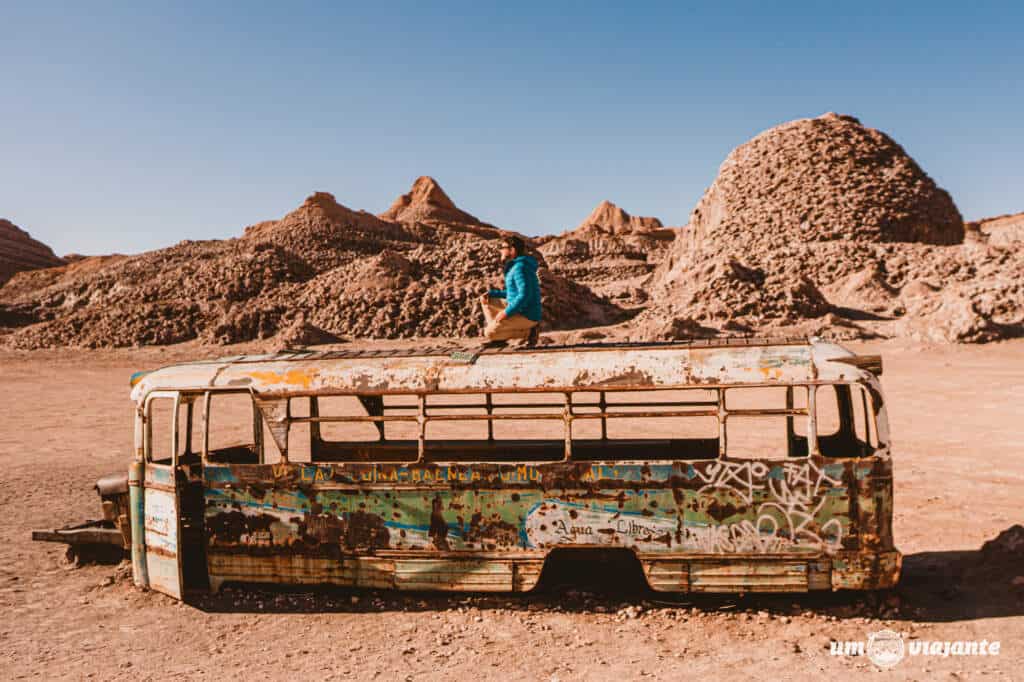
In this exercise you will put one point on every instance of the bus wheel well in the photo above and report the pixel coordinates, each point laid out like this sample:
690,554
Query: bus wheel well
604,570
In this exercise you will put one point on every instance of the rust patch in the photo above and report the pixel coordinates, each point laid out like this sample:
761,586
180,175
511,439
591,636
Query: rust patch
719,510
366,530
631,377
230,526
438,526
491,533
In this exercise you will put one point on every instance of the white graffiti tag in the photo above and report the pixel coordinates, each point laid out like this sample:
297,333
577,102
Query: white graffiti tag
743,478
796,494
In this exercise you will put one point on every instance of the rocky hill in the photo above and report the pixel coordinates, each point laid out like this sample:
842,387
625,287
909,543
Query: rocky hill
825,225
19,252
611,251
825,178
426,202
609,219
323,267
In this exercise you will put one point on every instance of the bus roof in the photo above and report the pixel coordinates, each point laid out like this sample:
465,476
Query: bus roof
454,368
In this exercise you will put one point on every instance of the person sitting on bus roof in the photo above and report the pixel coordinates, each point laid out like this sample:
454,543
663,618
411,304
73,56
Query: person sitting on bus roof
515,311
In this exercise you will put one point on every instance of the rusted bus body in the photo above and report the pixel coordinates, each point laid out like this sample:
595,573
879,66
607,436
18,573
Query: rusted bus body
483,513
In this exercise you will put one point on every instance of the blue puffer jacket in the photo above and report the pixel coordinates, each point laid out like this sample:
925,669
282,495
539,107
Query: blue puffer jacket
522,288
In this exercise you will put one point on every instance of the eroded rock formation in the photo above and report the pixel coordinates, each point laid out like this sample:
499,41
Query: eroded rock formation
19,252
826,226
611,252
322,271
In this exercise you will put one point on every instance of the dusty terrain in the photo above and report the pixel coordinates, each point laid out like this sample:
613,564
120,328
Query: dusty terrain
956,418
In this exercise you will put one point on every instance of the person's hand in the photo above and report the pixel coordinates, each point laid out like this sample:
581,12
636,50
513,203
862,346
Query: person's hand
484,298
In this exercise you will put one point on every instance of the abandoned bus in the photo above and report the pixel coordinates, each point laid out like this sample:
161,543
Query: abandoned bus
730,465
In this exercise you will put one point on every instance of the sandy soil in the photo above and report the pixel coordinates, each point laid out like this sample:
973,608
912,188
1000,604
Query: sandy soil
956,416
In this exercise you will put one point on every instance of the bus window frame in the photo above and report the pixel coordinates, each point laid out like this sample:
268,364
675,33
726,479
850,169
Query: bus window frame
847,422
147,425
257,423
567,413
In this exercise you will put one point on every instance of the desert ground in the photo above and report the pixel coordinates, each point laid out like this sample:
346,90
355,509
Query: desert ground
956,418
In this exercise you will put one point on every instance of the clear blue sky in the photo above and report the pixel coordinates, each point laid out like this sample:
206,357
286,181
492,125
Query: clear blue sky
131,126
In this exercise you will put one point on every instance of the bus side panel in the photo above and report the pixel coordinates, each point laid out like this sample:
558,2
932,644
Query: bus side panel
330,515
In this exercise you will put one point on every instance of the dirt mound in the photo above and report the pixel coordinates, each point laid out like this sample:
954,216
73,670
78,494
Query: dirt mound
301,333
844,234
19,252
725,294
24,283
970,293
824,178
611,252
1004,230
322,270
608,218
426,202
328,234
